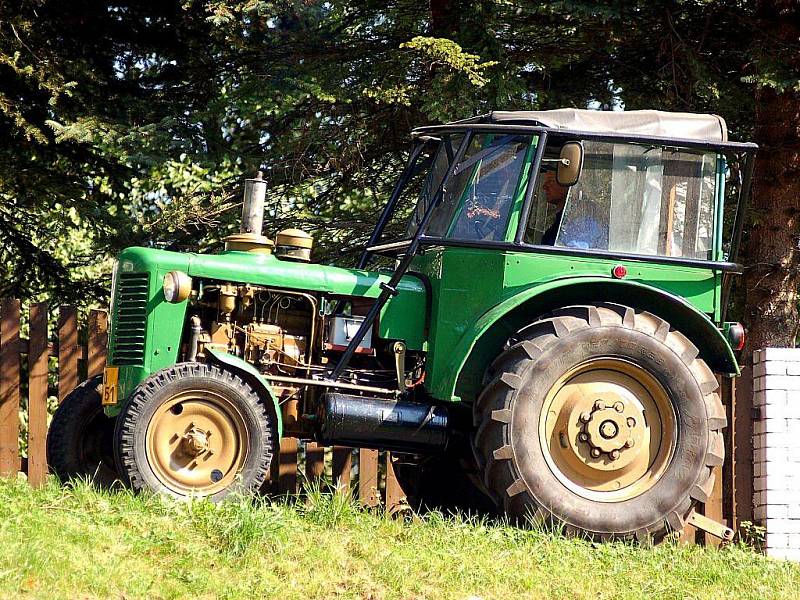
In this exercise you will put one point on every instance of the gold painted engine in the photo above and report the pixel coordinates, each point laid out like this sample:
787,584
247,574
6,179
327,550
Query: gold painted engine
270,329
268,344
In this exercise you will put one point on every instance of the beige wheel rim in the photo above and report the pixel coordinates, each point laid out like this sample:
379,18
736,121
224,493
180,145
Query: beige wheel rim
608,430
196,443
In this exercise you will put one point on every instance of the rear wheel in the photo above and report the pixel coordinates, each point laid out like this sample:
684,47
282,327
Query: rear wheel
80,439
601,419
195,430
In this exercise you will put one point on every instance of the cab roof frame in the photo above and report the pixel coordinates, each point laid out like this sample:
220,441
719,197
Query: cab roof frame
473,127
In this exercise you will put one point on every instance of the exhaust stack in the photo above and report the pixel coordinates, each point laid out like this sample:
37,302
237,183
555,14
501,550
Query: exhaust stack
255,190
249,238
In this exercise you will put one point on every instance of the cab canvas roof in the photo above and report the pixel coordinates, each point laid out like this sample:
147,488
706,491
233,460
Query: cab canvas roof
691,126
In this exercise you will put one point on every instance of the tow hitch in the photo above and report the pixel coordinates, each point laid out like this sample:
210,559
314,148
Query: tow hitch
710,526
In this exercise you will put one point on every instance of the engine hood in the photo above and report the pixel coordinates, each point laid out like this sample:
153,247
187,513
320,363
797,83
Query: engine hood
402,318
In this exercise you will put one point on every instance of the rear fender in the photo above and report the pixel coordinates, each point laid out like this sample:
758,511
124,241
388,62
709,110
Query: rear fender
484,341
248,372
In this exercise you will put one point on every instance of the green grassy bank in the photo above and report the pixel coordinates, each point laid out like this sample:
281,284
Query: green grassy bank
80,543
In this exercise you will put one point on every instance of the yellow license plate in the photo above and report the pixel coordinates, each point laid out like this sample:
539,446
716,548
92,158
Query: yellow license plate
110,380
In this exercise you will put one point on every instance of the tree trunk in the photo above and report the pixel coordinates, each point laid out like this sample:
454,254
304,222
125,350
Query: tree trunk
772,249
444,22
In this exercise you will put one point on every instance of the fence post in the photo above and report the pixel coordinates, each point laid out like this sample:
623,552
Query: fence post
68,351
98,340
287,466
38,358
394,493
315,462
342,464
688,535
741,461
9,387
368,477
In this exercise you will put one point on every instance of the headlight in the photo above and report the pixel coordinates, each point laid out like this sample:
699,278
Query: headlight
177,286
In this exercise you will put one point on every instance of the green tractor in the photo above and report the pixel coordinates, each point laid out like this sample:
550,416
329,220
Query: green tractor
547,333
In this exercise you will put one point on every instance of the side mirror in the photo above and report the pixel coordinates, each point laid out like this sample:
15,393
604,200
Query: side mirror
570,164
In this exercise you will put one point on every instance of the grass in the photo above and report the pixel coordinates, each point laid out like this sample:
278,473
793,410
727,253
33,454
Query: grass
77,542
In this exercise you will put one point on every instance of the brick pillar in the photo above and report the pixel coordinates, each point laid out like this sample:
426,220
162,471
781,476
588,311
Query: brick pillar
776,449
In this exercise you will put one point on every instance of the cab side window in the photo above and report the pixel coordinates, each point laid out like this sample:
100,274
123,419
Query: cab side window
631,198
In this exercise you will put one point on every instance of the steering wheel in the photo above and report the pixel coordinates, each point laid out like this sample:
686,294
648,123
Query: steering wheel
482,223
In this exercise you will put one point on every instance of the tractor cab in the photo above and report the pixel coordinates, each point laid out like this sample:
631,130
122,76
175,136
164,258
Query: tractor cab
640,183
567,195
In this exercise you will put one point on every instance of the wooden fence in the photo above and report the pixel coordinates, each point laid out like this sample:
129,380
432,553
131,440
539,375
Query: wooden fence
28,377
31,358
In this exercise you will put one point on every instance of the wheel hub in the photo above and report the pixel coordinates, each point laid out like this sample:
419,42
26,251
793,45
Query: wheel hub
196,443
607,429
611,429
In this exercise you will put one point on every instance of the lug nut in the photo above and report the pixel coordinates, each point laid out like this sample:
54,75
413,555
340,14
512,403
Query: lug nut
619,407
631,422
614,454
599,405
629,443
586,417
595,453
583,437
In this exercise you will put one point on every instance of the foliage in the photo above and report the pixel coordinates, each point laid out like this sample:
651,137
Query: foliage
130,123
752,535
78,542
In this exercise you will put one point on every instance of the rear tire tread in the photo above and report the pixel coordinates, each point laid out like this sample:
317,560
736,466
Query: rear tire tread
492,410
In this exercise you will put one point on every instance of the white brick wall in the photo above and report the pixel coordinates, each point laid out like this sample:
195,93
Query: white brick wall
776,449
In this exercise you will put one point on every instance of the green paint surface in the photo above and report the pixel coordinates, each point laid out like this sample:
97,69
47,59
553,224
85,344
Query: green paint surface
403,318
473,288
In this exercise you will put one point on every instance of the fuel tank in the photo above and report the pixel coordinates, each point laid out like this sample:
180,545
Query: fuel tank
383,424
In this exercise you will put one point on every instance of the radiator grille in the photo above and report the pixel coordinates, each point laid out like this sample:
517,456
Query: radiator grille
129,324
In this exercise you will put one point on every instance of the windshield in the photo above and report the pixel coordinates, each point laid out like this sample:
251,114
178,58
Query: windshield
484,193
427,174
631,198
479,199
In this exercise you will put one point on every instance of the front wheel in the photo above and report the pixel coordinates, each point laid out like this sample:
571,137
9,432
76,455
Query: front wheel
195,430
603,420
80,438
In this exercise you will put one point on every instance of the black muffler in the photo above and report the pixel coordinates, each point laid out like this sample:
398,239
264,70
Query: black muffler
364,422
